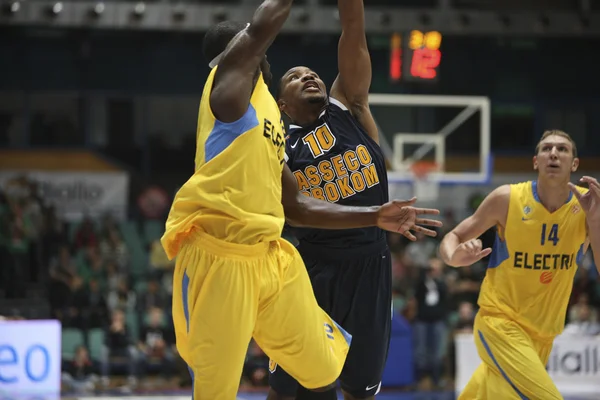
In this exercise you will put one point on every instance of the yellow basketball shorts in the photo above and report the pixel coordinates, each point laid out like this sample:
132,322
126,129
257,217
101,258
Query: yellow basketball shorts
514,364
224,294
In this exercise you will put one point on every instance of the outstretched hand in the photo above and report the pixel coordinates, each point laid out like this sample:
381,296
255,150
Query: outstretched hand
590,201
400,216
468,253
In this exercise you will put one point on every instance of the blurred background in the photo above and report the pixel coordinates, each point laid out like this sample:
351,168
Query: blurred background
98,113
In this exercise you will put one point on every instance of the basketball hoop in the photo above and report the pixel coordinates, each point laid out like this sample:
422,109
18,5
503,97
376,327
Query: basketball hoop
424,187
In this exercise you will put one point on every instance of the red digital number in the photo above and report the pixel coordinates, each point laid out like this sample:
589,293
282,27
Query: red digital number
396,64
424,63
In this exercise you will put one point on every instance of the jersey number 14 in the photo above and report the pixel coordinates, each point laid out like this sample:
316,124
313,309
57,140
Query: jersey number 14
552,235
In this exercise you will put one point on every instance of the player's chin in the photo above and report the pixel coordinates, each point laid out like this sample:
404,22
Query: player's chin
315,98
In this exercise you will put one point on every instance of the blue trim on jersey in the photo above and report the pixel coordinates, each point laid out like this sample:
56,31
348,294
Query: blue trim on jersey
184,294
346,335
223,134
489,351
580,254
537,197
193,378
499,252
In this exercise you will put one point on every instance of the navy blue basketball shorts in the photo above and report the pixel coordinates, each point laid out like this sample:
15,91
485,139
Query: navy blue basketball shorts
357,293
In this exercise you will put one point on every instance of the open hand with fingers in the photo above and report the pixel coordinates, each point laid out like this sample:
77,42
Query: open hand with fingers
400,216
590,201
468,253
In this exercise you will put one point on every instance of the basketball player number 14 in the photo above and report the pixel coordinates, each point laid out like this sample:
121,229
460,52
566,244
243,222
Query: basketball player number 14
552,234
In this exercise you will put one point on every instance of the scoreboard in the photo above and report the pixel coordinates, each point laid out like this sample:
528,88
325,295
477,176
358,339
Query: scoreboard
415,56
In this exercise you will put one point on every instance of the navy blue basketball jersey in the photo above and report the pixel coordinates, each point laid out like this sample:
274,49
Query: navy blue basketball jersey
335,160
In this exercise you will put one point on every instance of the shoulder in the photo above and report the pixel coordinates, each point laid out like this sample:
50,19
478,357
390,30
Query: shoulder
335,104
500,194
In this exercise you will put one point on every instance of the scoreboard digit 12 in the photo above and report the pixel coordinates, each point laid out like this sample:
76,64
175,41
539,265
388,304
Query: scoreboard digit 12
415,56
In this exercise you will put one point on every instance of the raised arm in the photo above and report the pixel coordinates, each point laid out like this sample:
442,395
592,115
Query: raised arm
353,82
460,247
234,79
590,202
395,216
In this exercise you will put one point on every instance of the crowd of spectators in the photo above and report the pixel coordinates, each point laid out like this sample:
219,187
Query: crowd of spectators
84,271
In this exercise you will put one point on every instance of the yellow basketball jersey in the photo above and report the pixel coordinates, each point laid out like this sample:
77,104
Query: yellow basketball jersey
235,192
531,270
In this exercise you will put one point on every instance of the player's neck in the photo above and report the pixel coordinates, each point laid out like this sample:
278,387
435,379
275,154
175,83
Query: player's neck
309,114
552,195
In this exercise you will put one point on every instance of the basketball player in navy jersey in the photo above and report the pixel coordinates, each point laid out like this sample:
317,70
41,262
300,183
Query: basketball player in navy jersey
332,150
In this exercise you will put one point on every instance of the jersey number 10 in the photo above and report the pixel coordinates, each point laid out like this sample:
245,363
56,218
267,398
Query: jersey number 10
552,235
319,141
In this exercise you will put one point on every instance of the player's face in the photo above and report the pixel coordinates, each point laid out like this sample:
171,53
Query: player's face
555,158
302,85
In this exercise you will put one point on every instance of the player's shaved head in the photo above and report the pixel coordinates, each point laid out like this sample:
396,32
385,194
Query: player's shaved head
556,132
218,37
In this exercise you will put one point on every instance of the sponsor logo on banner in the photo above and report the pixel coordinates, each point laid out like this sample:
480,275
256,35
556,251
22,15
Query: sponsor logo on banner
30,357
74,194
579,361
573,365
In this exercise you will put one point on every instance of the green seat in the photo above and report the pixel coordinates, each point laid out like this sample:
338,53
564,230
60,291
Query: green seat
153,230
137,249
133,326
96,342
140,287
71,339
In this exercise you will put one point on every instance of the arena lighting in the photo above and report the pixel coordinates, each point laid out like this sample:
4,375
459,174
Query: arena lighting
98,9
179,12
139,9
11,8
56,9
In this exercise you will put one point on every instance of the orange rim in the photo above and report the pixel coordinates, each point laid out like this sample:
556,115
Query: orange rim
423,168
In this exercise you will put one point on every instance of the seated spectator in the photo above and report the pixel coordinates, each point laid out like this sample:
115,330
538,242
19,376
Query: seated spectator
584,323
123,298
113,277
91,266
97,311
85,236
418,254
464,284
77,316
152,297
466,318
113,249
118,349
157,343
81,374
62,274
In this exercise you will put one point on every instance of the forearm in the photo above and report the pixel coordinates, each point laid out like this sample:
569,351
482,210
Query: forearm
352,15
594,235
313,213
449,244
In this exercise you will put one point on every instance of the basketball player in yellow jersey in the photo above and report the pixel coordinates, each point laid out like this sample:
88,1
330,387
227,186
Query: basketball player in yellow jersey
235,278
543,229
